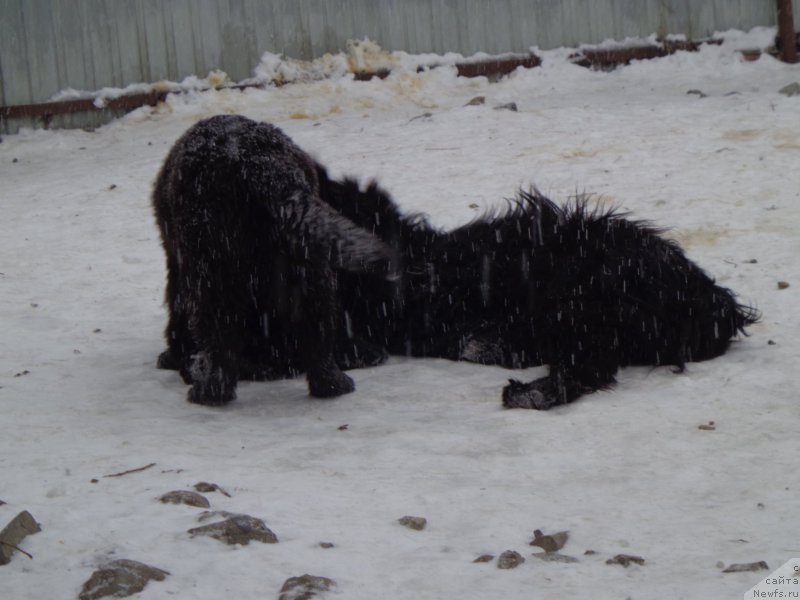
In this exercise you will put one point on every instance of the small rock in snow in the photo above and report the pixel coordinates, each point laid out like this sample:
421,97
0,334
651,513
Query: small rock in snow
793,89
326,545
240,529
20,526
185,497
782,285
476,101
207,515
119,579
205,487
305,587
512,106
424,116
555,557
625,560
697,93
484,558
549,543
746,567
510,559
416,523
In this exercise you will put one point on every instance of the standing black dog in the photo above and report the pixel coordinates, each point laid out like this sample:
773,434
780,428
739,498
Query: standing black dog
583,291
251,258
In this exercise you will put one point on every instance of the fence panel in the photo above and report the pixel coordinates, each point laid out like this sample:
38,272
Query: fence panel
47,46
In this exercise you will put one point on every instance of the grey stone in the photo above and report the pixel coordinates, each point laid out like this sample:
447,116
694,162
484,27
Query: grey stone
426,116
205,487
476,101
555,557
207,515
416,523
625,560
18,528
746,567
185,497
510,560
793,89
305,587
484,558
239,529
550,543
119,579
512,106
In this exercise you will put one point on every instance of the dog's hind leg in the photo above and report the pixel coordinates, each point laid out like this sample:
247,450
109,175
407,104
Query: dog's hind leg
581,344
325,378
329,241
561,386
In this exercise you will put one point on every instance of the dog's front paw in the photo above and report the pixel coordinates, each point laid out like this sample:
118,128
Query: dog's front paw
536,395
211,394
211,385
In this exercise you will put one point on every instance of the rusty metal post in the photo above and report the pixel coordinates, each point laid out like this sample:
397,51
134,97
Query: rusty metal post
786,34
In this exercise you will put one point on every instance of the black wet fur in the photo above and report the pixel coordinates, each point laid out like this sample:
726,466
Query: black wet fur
585,291
252,255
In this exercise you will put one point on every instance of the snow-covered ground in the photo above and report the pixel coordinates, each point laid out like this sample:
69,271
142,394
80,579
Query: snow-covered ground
81,285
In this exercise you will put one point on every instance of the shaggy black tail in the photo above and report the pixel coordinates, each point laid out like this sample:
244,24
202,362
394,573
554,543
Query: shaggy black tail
617,293
670,310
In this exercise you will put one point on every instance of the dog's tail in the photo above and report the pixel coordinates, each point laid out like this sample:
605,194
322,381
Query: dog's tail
717,319
681,313
347,245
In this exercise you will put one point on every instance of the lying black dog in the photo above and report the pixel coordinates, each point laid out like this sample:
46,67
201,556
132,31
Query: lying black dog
583,291
252,254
